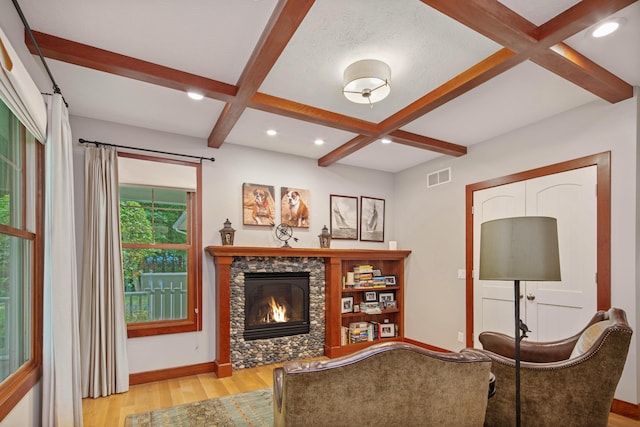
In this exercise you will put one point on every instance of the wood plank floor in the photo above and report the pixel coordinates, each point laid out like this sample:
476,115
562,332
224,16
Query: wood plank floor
112,410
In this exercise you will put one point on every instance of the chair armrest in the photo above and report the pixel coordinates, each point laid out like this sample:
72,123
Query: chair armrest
530,351
278,383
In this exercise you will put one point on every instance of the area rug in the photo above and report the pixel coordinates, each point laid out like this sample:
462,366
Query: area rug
251,409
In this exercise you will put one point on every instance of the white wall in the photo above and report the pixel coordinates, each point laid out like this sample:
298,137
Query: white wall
222,189
431,222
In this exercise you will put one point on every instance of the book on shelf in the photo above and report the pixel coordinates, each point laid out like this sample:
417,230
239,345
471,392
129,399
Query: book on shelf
344,335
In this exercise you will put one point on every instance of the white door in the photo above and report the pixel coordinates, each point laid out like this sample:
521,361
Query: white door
552,310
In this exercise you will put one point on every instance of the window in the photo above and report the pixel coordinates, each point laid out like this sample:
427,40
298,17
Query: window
161,254
21,260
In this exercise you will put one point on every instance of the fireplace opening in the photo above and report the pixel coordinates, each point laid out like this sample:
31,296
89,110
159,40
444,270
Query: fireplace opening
276,304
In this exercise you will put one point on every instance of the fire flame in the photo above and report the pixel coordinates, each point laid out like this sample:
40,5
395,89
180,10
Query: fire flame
278,312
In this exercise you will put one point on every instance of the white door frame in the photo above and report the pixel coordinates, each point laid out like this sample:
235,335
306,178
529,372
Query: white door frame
603,163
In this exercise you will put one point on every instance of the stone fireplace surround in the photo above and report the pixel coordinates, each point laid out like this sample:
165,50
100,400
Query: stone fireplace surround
247,354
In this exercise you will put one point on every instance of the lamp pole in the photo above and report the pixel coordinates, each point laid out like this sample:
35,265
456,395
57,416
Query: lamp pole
517,337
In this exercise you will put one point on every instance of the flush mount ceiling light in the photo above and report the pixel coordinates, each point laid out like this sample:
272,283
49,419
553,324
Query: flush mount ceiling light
367,81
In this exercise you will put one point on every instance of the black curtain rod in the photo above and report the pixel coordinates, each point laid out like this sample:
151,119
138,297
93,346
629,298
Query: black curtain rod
84,141
56,88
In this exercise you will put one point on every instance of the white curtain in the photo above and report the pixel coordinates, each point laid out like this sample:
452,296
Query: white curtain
61,396
103,329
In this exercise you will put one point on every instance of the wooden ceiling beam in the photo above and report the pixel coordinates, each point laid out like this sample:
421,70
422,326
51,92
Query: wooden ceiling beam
344,150
282,25
424,142
497,22
307,113
126,66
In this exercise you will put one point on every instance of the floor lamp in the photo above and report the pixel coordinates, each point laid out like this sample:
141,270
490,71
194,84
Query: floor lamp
520,248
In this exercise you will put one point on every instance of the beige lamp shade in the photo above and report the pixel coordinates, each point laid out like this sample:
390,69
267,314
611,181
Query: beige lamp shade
520,248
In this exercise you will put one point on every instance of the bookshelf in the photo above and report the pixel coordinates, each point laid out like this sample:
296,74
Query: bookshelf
350,308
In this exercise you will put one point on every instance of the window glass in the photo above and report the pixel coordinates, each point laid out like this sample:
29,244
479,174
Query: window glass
159,255
20,176
11,167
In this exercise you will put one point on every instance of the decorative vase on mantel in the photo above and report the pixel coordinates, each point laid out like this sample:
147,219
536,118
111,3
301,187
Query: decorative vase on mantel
227,233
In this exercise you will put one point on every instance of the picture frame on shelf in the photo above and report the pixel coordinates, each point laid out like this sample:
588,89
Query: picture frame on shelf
391,305
371,219
387,330
386,296
347,305
390,280
343,217
370,296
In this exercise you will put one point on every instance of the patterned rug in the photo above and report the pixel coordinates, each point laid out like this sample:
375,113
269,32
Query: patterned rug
251,409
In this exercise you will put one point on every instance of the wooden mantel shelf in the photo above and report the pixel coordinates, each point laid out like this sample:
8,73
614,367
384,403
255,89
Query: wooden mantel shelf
222,251
223,257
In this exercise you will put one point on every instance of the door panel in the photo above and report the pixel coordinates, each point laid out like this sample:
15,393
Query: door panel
571,198
493,305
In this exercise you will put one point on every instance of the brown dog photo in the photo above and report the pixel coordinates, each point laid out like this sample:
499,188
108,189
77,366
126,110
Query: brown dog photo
258,204
295,207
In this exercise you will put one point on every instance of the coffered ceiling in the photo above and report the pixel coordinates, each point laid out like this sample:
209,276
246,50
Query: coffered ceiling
462,72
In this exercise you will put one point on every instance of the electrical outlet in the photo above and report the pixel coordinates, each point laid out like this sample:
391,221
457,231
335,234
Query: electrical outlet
460,336
462,274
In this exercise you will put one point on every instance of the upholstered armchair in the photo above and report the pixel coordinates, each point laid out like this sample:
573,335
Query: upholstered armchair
387,384
570,382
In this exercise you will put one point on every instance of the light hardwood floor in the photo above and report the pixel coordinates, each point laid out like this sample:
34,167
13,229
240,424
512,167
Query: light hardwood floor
111,411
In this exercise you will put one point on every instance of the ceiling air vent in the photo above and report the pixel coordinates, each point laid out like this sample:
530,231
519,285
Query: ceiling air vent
439,177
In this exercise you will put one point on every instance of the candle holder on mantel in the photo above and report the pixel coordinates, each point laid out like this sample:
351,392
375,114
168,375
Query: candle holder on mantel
227,233
325,238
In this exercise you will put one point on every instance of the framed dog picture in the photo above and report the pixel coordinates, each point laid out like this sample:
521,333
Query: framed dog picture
258,205
294,207
344,217
371,219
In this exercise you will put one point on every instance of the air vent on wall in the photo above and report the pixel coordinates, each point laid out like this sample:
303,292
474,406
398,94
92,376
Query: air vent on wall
439,177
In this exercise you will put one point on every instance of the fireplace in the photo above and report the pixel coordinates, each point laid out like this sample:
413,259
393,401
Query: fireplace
276,304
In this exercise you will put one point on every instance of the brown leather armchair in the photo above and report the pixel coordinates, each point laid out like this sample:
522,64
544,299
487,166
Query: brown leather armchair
570,382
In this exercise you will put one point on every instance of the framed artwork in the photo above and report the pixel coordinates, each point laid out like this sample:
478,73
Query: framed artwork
390,305
344,217
347,305
370,296
386,296
294,209
387,330
371,219
258,205
390,280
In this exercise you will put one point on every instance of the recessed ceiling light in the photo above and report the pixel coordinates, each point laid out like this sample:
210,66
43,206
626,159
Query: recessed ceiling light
195,95
385,141
318,141
271,132
607,27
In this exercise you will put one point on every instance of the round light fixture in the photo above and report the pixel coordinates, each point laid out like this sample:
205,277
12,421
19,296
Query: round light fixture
385,141
195,95
607,27
367,81
272,132
318,141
